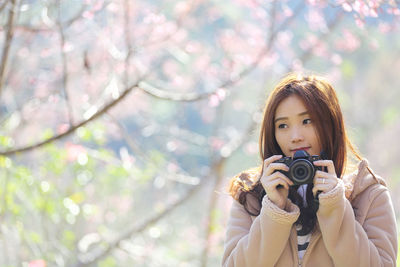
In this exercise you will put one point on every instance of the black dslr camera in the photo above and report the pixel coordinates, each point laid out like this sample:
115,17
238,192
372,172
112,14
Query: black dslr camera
301,167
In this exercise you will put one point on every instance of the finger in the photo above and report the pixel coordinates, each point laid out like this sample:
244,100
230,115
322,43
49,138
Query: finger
315,191
319,175
276,176
279,175
326,163
271,159
273,184
320,187
275,167
324,185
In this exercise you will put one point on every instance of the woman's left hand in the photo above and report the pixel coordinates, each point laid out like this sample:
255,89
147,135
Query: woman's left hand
325,181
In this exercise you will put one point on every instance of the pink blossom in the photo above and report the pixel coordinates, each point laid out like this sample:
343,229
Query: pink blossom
207,114
320,50
88,14
23,52
310,41
62,128
172,145
315,20
357,6
170,67
260,13
98,5
336,59
45,52
348,42
112,7
247,3
193,47
394,11
297,65
213,101
373,13
287,11
178,80
360,23
221,93
68,47
284,38
153,18
182,8
202,62
121,203
73,151
269,60
251,148
366,10
347,7
54,99
180,36
384,27
32,81
238,104
216,143
172,167
37,263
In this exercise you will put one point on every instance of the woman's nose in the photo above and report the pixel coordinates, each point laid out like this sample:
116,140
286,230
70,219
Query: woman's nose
296,135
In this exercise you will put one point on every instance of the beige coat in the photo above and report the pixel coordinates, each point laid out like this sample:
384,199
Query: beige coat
356,227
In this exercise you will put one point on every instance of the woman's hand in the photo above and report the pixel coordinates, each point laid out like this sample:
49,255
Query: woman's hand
275,183
325,181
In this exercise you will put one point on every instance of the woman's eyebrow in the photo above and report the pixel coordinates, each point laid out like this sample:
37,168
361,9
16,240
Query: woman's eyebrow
303,113
285,118
280,119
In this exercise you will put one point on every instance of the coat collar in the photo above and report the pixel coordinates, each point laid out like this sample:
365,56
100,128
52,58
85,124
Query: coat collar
359,180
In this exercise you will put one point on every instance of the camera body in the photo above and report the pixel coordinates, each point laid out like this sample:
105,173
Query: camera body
301,167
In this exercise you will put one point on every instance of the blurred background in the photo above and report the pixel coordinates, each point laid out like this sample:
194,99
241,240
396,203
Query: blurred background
122,122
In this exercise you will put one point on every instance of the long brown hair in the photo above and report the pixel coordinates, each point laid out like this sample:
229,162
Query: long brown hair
322,104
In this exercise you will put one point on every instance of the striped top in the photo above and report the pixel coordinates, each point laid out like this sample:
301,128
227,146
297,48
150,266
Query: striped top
303,239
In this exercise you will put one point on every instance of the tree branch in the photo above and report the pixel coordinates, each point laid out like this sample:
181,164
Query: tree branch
74,127
128,39
156,92
9,37
64,65
100,252
234,145
179,22
216,167
331,26
3,5
211,207
66,24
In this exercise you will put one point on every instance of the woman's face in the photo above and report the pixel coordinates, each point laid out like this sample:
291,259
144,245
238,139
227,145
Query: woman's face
294,129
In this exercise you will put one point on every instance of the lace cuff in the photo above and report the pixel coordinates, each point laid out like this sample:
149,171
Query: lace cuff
287,216
332,197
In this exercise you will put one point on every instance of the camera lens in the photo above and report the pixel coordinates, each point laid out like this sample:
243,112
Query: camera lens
302,171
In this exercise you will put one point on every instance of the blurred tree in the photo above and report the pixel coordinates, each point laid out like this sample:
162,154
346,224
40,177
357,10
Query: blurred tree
119,120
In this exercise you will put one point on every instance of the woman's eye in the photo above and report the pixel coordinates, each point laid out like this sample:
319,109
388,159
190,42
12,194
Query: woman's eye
307,121
282,126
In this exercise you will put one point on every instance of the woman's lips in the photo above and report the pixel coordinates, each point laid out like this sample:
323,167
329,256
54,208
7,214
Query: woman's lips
300,148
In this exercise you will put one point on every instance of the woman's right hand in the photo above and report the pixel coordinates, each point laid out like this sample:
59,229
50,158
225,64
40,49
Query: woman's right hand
275,183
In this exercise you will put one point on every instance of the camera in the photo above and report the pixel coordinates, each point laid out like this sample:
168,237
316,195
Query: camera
301,167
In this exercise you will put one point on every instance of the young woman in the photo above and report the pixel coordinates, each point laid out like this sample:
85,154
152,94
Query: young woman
342,218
